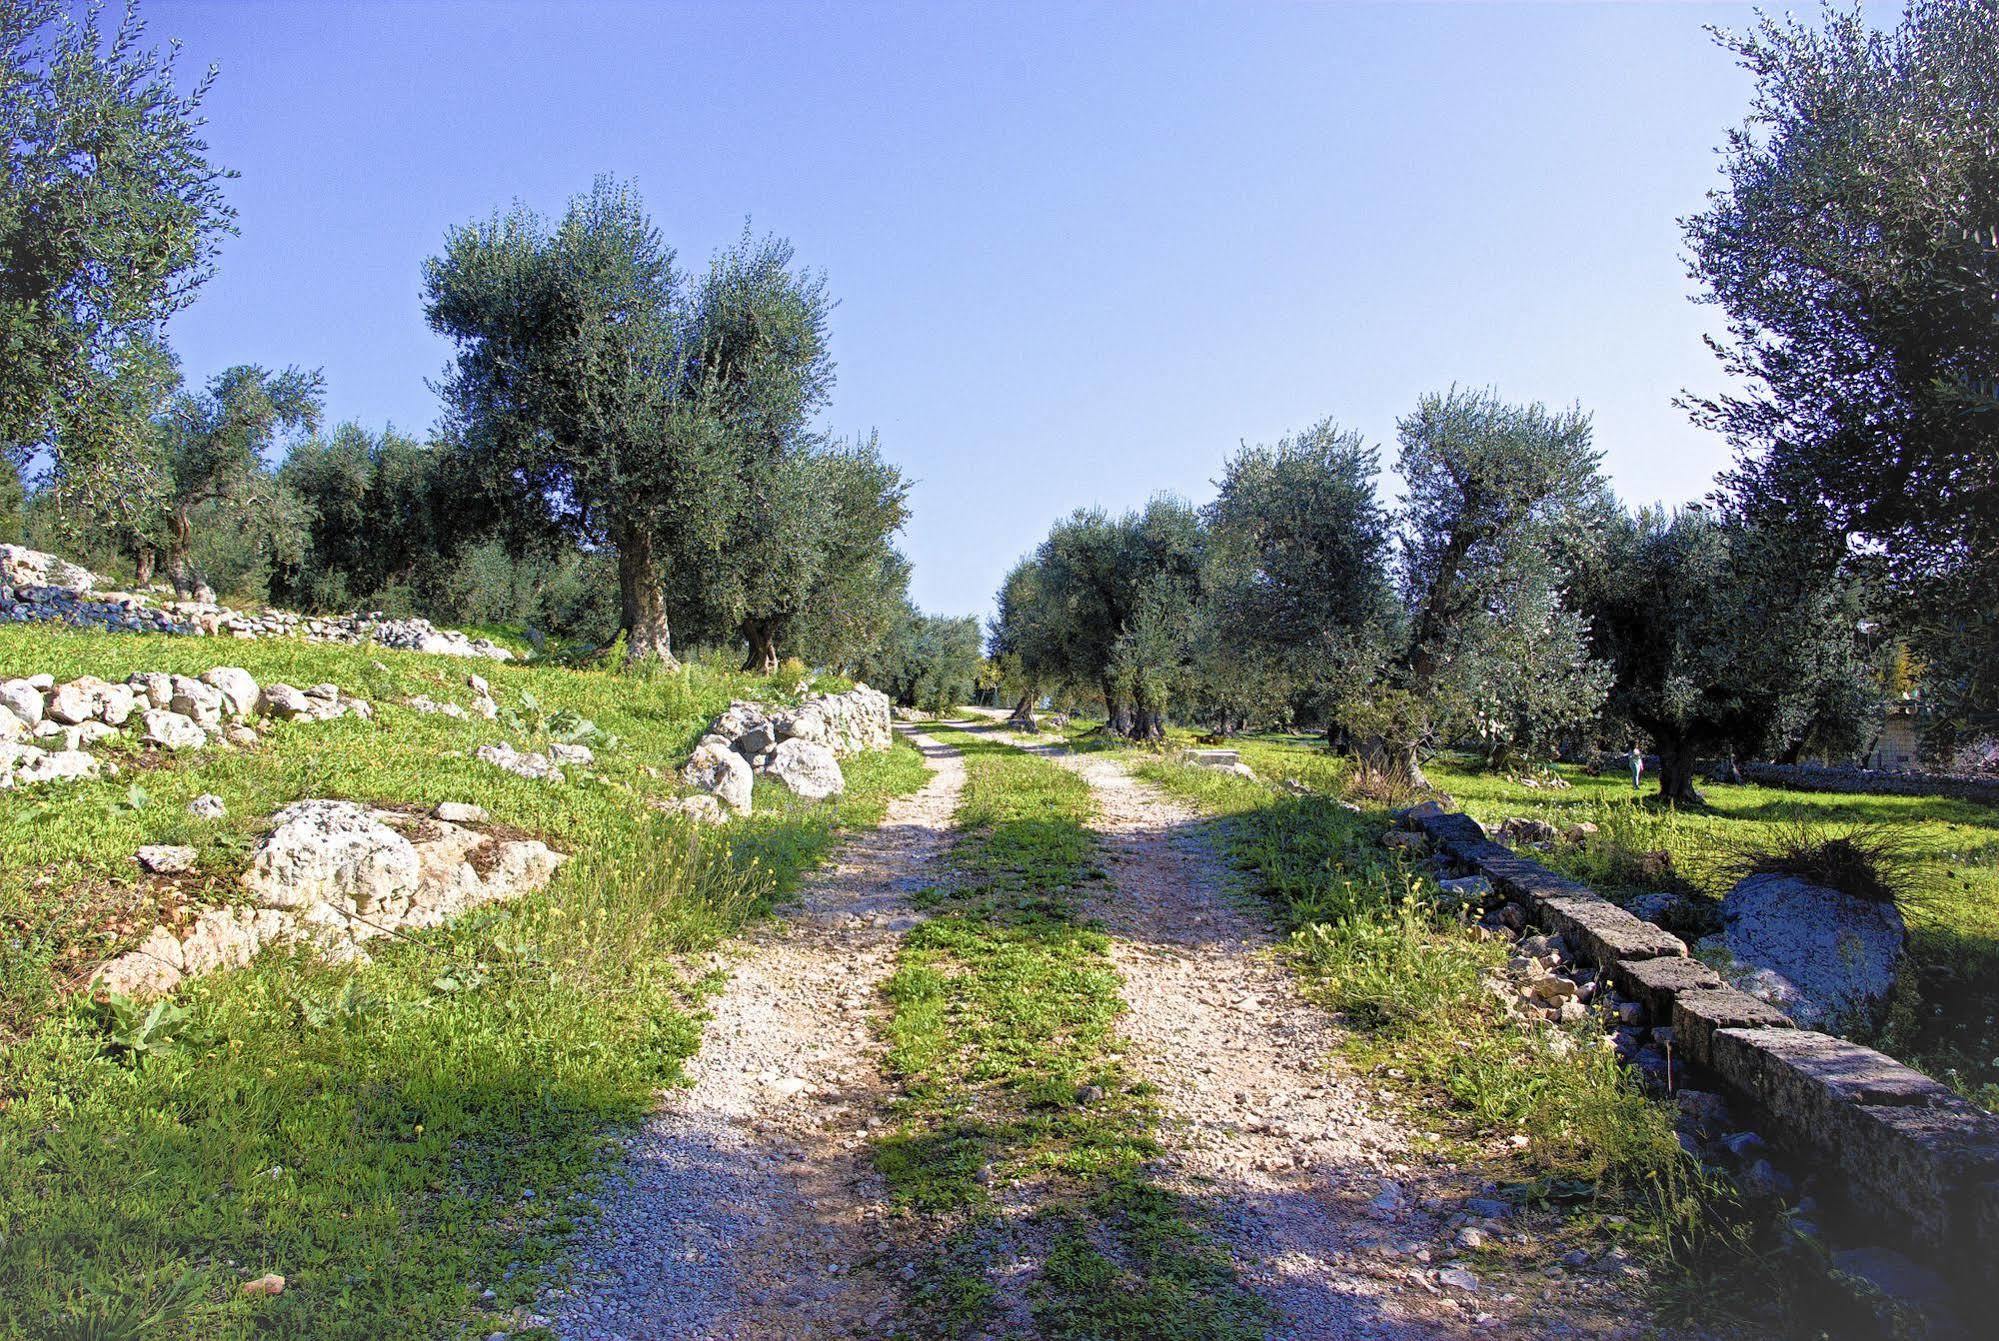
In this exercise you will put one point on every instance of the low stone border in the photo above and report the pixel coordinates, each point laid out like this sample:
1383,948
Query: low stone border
1909,1150
1824,778
42,588
801,747
44,726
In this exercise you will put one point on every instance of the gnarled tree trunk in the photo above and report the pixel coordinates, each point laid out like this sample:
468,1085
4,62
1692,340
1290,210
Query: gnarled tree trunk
144,560
1676,773
1117,714
1023,713
761,637
642,604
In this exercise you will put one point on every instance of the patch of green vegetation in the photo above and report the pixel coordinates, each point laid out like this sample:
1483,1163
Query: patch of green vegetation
1943,1017
393,1139
1015,1094
1546,1112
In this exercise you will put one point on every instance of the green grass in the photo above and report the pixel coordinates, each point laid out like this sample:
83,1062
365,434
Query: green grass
1003,1040
1546,1113
394,1139
1944,1015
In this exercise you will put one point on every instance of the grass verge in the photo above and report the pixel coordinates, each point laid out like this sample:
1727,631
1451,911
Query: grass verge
1545,1114
395,1139
1943,1016
1020,1132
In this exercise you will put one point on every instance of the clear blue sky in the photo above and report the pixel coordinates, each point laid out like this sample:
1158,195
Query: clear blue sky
1081,252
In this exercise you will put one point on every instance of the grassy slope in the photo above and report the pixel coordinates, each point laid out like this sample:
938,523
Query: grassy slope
392,1140
1945,1014
1003,1039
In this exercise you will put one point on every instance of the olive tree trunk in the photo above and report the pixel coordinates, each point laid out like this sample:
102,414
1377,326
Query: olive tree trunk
1677,761
642,605
761,638
1023,713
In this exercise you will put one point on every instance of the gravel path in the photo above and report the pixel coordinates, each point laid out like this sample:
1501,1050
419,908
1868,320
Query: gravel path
749,1208
1311,1184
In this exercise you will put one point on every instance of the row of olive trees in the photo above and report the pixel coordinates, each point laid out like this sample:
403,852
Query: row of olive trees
610,416
1507,602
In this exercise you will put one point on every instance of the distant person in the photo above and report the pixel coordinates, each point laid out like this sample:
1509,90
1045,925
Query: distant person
1637,762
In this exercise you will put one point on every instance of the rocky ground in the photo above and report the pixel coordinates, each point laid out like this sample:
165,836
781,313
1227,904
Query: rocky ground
749,1207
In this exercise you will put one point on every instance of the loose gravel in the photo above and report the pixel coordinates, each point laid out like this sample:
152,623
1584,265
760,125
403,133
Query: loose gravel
748,1207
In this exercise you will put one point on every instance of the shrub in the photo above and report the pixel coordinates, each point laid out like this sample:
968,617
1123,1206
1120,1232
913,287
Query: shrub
1867,861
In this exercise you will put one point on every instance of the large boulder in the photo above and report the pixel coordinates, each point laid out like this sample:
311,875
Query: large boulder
334,853
1823,956
722,773
809,769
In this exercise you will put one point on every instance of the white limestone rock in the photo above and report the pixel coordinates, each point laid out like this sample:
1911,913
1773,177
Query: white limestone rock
166,729
162,859
334,853
22,701
241,696
723,773
528,764
808,768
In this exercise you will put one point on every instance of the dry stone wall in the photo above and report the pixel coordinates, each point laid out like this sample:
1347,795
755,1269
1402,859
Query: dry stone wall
41,588
800,747
46,727
1909,1151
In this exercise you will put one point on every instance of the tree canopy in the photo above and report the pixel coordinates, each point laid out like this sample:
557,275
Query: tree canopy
1854,251
110,211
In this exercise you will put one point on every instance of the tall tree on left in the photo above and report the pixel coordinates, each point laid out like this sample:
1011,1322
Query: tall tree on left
110,211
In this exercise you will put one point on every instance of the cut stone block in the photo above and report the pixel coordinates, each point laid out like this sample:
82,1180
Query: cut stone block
1604,933
1804,1080
1924,1163
1698,1013
1654,983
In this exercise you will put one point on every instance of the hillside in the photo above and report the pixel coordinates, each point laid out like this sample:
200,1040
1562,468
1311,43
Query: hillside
385,1135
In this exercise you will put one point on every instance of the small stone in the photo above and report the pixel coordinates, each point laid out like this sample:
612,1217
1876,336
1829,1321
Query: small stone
265,1285
1458,1279
165,860
460,812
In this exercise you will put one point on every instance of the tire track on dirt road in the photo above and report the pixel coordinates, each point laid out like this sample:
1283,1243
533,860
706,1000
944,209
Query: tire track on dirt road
749,1207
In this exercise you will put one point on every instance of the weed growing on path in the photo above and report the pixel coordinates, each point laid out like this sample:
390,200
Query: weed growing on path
1019,1122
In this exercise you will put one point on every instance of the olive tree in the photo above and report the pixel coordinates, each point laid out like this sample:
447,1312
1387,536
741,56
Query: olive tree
1726,636
618,402
110,212
1485,643
1853,247
1295,571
